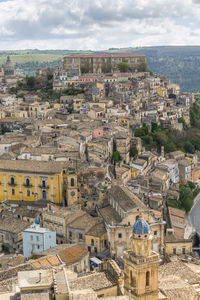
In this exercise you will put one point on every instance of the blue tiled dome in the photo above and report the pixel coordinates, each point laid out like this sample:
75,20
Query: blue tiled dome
140,227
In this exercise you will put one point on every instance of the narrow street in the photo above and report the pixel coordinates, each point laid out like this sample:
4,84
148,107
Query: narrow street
194,214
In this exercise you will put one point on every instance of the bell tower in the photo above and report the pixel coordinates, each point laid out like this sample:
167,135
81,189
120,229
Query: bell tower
72,187
141,265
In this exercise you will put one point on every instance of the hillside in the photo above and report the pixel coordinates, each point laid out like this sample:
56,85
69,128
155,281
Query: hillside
181,64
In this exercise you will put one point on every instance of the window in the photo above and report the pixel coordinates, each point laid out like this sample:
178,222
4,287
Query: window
119,235
12,180
27,181
147,278
49,236
31,238
13,192
72,181
92,242
183,250
70,234
28,193
43,183
75,269
80,236
155,232
174,250
37,238
38,247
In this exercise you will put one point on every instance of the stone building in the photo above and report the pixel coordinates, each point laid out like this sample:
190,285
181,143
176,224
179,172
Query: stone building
122,144
119,217
100,63
36,284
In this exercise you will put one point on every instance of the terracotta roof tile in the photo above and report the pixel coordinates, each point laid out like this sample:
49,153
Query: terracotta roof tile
53,260
72,254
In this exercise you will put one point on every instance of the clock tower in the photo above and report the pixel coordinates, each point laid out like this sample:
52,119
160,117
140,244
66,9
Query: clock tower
141,265
72,188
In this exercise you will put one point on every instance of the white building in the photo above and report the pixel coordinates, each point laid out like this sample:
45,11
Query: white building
37,239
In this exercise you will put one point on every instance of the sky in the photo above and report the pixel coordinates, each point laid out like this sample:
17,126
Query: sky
98,24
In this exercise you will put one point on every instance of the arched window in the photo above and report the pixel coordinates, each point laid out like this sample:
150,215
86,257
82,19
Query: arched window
12,180
72,181
147,278
27,181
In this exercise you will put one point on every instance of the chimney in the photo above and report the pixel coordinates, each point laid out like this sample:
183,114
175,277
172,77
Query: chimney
40,277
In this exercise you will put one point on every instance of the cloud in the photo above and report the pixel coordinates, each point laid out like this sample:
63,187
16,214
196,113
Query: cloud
97,24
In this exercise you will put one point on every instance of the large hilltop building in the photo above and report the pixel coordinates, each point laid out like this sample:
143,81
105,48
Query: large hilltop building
100,63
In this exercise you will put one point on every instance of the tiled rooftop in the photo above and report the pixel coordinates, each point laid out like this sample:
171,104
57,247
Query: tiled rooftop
95,281
72,254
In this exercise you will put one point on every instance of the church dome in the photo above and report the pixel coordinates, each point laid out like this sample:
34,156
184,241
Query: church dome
8,63
141,227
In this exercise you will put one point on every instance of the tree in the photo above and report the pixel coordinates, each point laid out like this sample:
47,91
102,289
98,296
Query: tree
181,120
186,198
189,147
145,128
133,151
154,127
142,67
191,185
86,68
116,156
30,82
123,67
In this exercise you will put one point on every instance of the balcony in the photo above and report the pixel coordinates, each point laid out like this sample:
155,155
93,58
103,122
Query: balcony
12,184
41,186
28,186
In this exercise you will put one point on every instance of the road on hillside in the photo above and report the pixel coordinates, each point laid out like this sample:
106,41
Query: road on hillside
194,214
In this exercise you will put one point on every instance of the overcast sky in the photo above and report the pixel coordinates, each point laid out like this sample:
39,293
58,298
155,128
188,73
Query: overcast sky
98,24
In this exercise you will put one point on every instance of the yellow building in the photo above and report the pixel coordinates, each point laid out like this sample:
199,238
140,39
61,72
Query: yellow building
57,105
20,114
33,181
134,172
77,103
162,91
124,121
